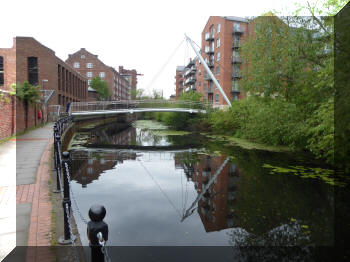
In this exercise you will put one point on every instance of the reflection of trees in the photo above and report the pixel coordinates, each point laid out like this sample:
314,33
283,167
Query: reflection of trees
279,244
87,166
149,138
112,134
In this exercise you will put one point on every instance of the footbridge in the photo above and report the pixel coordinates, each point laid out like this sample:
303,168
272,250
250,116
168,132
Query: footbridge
136,106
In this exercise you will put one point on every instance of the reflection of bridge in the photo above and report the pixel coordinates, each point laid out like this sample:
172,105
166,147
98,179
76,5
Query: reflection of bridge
136,106
115,154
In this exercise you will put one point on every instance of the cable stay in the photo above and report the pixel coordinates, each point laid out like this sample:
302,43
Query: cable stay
165,64
190,210
160,188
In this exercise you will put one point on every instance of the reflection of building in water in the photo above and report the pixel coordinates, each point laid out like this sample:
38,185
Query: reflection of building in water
216,207
87,166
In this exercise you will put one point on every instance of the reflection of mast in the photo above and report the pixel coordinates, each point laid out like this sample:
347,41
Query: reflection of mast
190,210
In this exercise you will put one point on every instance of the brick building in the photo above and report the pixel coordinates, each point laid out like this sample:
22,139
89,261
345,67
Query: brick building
222,37
221,40
179,80
91,66
130,75
29,60
216,207
190,75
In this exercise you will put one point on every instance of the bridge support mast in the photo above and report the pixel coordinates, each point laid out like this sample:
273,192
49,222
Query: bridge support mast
208,70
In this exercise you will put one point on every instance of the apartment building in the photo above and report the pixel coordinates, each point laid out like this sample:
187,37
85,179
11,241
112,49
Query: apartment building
130,75
190,75
222,37
179,81
91,66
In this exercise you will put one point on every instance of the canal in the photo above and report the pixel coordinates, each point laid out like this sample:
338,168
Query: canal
174,188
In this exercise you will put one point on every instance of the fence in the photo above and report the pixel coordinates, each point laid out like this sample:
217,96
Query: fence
62,164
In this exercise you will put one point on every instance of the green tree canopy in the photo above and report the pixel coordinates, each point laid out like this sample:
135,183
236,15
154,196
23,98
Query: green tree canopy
101,88
27,92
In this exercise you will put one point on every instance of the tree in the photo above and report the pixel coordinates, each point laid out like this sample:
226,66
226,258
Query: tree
137,94
28,94
101,88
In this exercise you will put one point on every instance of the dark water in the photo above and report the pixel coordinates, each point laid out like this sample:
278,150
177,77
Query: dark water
189,190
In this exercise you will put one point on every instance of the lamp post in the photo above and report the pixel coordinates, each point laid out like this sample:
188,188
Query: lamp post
44,105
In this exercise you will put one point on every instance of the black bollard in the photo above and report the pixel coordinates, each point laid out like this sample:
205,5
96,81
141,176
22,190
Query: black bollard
96,225
66,239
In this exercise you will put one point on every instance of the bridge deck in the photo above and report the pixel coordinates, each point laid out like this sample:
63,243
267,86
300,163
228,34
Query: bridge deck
137,110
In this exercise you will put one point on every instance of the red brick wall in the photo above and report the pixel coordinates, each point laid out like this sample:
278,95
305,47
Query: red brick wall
7,116
225,49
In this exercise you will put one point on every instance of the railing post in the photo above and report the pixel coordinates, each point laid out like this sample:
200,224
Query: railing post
66,239
97,233
57,157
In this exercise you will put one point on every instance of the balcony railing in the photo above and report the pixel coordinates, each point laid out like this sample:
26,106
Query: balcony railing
190,80
236,45
208,50
236,60
236,75
208,37
190,71
238,31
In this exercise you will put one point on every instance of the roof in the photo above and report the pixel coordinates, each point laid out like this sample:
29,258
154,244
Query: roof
180,68
236,18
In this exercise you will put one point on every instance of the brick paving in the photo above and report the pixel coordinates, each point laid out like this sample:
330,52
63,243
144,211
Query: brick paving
36,195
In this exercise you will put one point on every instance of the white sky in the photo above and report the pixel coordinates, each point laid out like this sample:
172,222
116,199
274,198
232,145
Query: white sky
139,35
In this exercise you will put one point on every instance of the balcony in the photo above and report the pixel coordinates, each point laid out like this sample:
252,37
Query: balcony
208,50
190,81
209,37
190,71
210,63
235,90
236,75
236,59
191,63
237,31
236,45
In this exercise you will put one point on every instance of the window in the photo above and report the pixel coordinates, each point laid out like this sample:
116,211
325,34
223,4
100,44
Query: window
76,65
218,70
219,28
89,74
218,56
237,26
89,65
217,98
33,70
218,42
89,81
102,74
82,56
1,71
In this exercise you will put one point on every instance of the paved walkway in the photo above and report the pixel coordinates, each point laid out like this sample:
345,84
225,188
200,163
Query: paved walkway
31,226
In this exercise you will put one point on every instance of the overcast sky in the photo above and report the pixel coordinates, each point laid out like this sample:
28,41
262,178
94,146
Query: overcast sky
139,35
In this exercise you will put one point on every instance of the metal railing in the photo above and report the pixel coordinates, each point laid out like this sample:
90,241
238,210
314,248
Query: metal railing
62,164
129,105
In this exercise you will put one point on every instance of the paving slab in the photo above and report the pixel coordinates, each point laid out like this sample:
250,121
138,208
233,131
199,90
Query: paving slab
29,148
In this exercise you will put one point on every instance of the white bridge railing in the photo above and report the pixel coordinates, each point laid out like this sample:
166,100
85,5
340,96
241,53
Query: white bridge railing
130,106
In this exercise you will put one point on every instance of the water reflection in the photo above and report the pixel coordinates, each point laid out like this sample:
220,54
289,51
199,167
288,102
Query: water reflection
182,196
